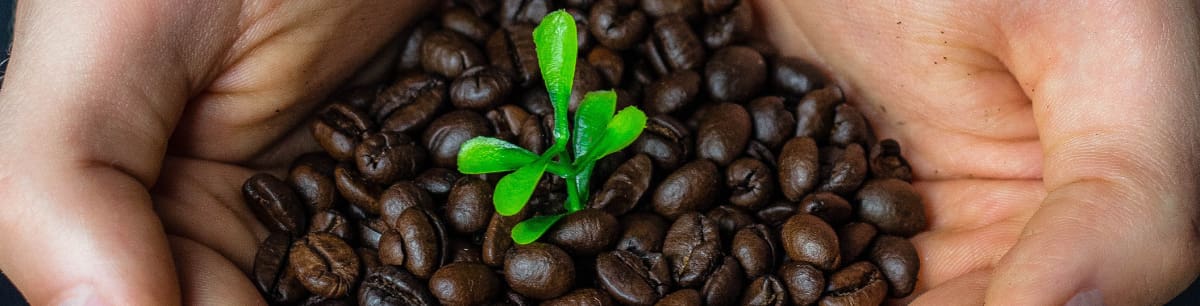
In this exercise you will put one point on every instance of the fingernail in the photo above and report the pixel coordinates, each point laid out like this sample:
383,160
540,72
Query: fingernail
83,295
1087,298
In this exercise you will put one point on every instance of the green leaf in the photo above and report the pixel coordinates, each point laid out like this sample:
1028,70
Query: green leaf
624,128
513,190
557,49
489,155
530,230
591,119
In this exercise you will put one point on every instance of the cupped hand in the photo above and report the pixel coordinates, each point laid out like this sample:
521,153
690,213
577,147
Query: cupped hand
1053,141
127,127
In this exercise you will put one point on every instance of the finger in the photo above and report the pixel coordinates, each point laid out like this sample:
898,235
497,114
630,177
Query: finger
1117,128
973,203
966,289
948,253
208,278
203,203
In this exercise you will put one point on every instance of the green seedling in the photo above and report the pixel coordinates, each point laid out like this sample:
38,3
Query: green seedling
597,132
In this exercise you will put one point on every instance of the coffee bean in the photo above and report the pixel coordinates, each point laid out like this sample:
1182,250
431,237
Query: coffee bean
510,298
497,240
793,76
857,284
318,300
693,248
368,259
512,50
730,27
617,26
324,264
391,248
534,136
271,274
804,282
538,270
583,32
608,63
814,113
772,121
897,260
410,53
725,285
776,213
437,181
692,188
828,206
370,231
467,23
809,239
332,222
631,280
339,128
506,121
661,8
713,7
765,290
355,189
751,183
479,88
462,250
755,248
683,297
410,104
424,241
672,46
798,167
624,188
735,74
464,284
886,161
642,233
447,133
275,204
891,205
390,285
854,238
723,133
849,126
387,156
311,176
843,170
585,232
672,92
449,54
665,140
581,297
729,220
469,206
523,11
400,197
587,79
761,152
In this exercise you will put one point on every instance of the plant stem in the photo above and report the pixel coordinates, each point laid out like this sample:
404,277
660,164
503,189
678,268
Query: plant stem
573,203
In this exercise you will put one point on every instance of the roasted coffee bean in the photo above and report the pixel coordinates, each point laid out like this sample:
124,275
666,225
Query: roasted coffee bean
391,248
617,26
464,284
672,45
511,50
692,188
275,204
469,206
410,52
898,262
891,205
437,181
828,206
772,121
368,259
809,239
587,79
583,32
424,241
390,285
388,156
693,248
886,161
356,189
642,233
799,167
804,282
332,222
857,284
370,231
449,54
625,187
582,297
271,274
672,92
761,152
793,76
585,232
480,7
311,176
533,135
447,133
846,170
506,120
631,280
318,300
539,270
480,88
339,128
751,183
755,248
728,28
854,238
713,7
849,126
666,141
729,220
814,113
608,64
660,8
324,264
467,23
776,213
401,196
497,240
735,74
523,11
725,285
723,133
765,290
510,298
462,250
683,297
409,104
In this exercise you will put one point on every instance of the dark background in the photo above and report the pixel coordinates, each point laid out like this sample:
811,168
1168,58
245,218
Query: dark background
10,296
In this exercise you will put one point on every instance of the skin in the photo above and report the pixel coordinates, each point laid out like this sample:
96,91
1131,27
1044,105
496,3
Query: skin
129,126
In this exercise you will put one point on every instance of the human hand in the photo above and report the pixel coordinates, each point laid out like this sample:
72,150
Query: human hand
1053,141
128,127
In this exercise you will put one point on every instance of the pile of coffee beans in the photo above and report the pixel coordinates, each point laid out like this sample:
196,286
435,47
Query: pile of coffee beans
753,183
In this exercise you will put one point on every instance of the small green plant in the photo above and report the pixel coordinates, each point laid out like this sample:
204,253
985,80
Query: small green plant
598,132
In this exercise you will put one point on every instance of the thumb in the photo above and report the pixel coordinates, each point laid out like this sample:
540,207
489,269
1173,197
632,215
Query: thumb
1119,223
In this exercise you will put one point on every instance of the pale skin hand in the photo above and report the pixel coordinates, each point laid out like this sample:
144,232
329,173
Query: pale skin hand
1054,141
